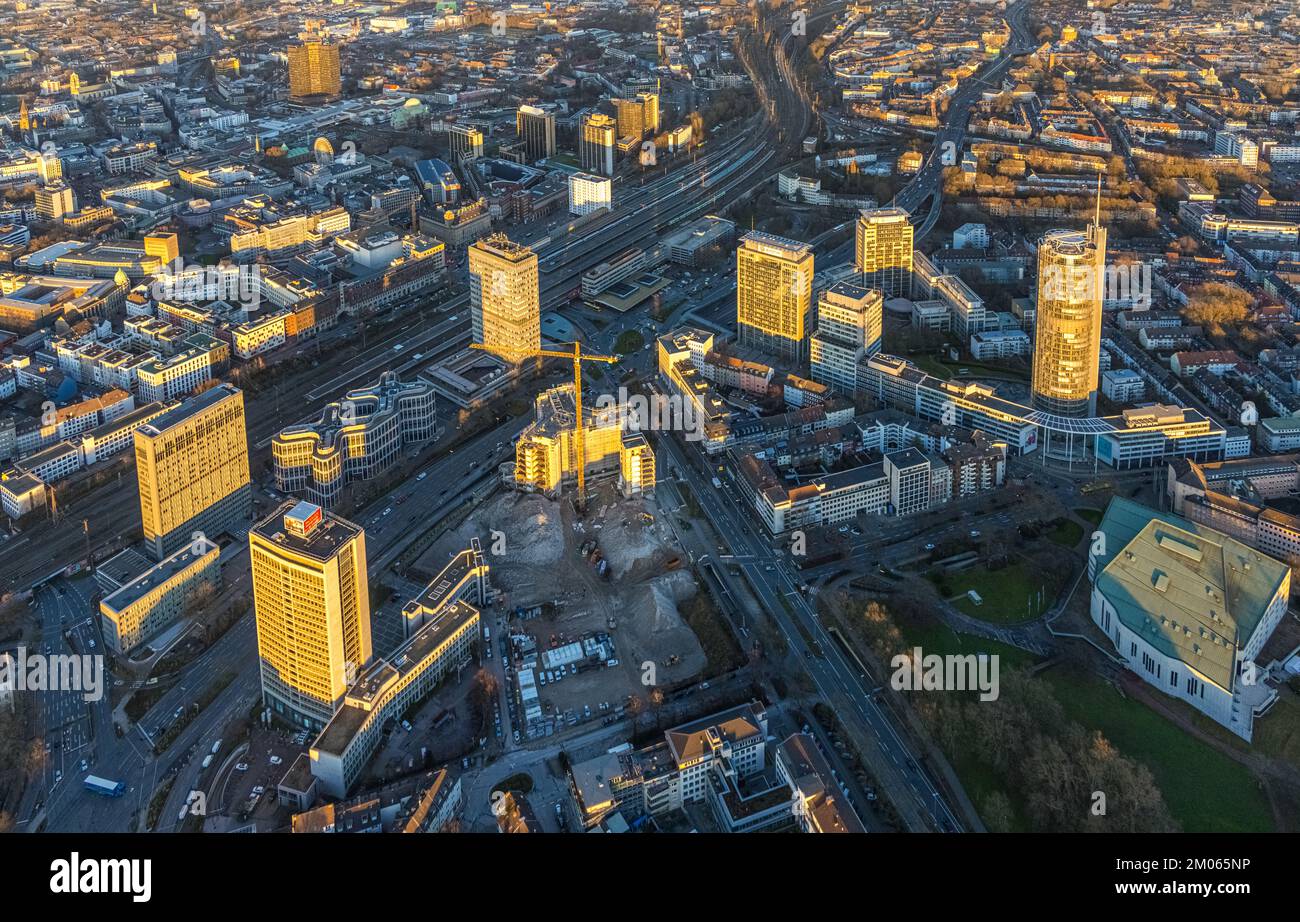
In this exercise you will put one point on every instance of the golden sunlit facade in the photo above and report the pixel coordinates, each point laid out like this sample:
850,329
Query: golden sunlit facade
1067,337
597,143
504,297
536,128
311,596
638,116
883,251
546,453
192,470
636,465
314,70
774,278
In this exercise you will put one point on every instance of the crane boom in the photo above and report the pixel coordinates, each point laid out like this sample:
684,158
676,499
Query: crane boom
578,358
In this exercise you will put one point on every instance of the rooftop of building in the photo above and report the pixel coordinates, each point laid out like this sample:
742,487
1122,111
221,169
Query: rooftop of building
828,809
188,408
141,585
319,542
691,741
377,677
1191,592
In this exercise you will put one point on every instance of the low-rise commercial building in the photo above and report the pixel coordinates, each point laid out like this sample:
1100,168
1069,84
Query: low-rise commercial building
160,596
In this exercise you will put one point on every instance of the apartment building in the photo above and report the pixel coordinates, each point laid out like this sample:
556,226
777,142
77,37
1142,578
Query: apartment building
160,596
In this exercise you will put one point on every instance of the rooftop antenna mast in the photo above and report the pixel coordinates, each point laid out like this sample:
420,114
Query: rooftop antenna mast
1096,220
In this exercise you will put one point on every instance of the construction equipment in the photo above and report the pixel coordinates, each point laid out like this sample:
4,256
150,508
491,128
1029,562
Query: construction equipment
578,358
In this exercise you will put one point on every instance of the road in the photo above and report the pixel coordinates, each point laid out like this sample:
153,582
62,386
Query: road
771,579
67,807
948,142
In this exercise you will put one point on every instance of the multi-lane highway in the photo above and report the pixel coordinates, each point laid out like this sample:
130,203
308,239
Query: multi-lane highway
391,521
838,681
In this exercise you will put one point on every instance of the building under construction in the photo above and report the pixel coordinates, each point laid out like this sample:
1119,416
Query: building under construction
546,453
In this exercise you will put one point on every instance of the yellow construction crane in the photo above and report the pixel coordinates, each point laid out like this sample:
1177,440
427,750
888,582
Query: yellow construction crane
578,358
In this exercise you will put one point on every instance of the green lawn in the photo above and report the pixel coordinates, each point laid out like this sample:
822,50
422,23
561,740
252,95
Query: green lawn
1010,595
1277,733
932,366
943,640
629,341
1066,534
1205,790
1089,515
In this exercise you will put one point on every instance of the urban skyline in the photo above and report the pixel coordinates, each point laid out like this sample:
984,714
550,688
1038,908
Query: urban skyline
652,418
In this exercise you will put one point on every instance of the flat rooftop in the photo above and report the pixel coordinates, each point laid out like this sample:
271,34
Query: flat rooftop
137,588
377,677
189,407
321,543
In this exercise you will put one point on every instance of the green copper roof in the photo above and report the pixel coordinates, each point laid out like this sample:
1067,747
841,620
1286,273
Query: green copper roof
1193,593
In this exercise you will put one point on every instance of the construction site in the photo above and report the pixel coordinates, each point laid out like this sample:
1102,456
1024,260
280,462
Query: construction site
610,586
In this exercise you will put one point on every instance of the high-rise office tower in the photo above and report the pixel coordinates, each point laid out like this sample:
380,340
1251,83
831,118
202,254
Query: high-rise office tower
537,129
1067,335
638,116
649,111
596,144
465,142
849,320
883,251
55,200
774,279
311,595
589,193
192,468
503,296
314,70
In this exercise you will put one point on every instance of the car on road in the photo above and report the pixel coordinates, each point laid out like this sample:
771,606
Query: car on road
974,532
84,765
276,760
930,546
241,767
406,725
259,791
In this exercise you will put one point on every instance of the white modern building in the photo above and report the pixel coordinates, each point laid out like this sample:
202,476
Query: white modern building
589,193
1189,609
